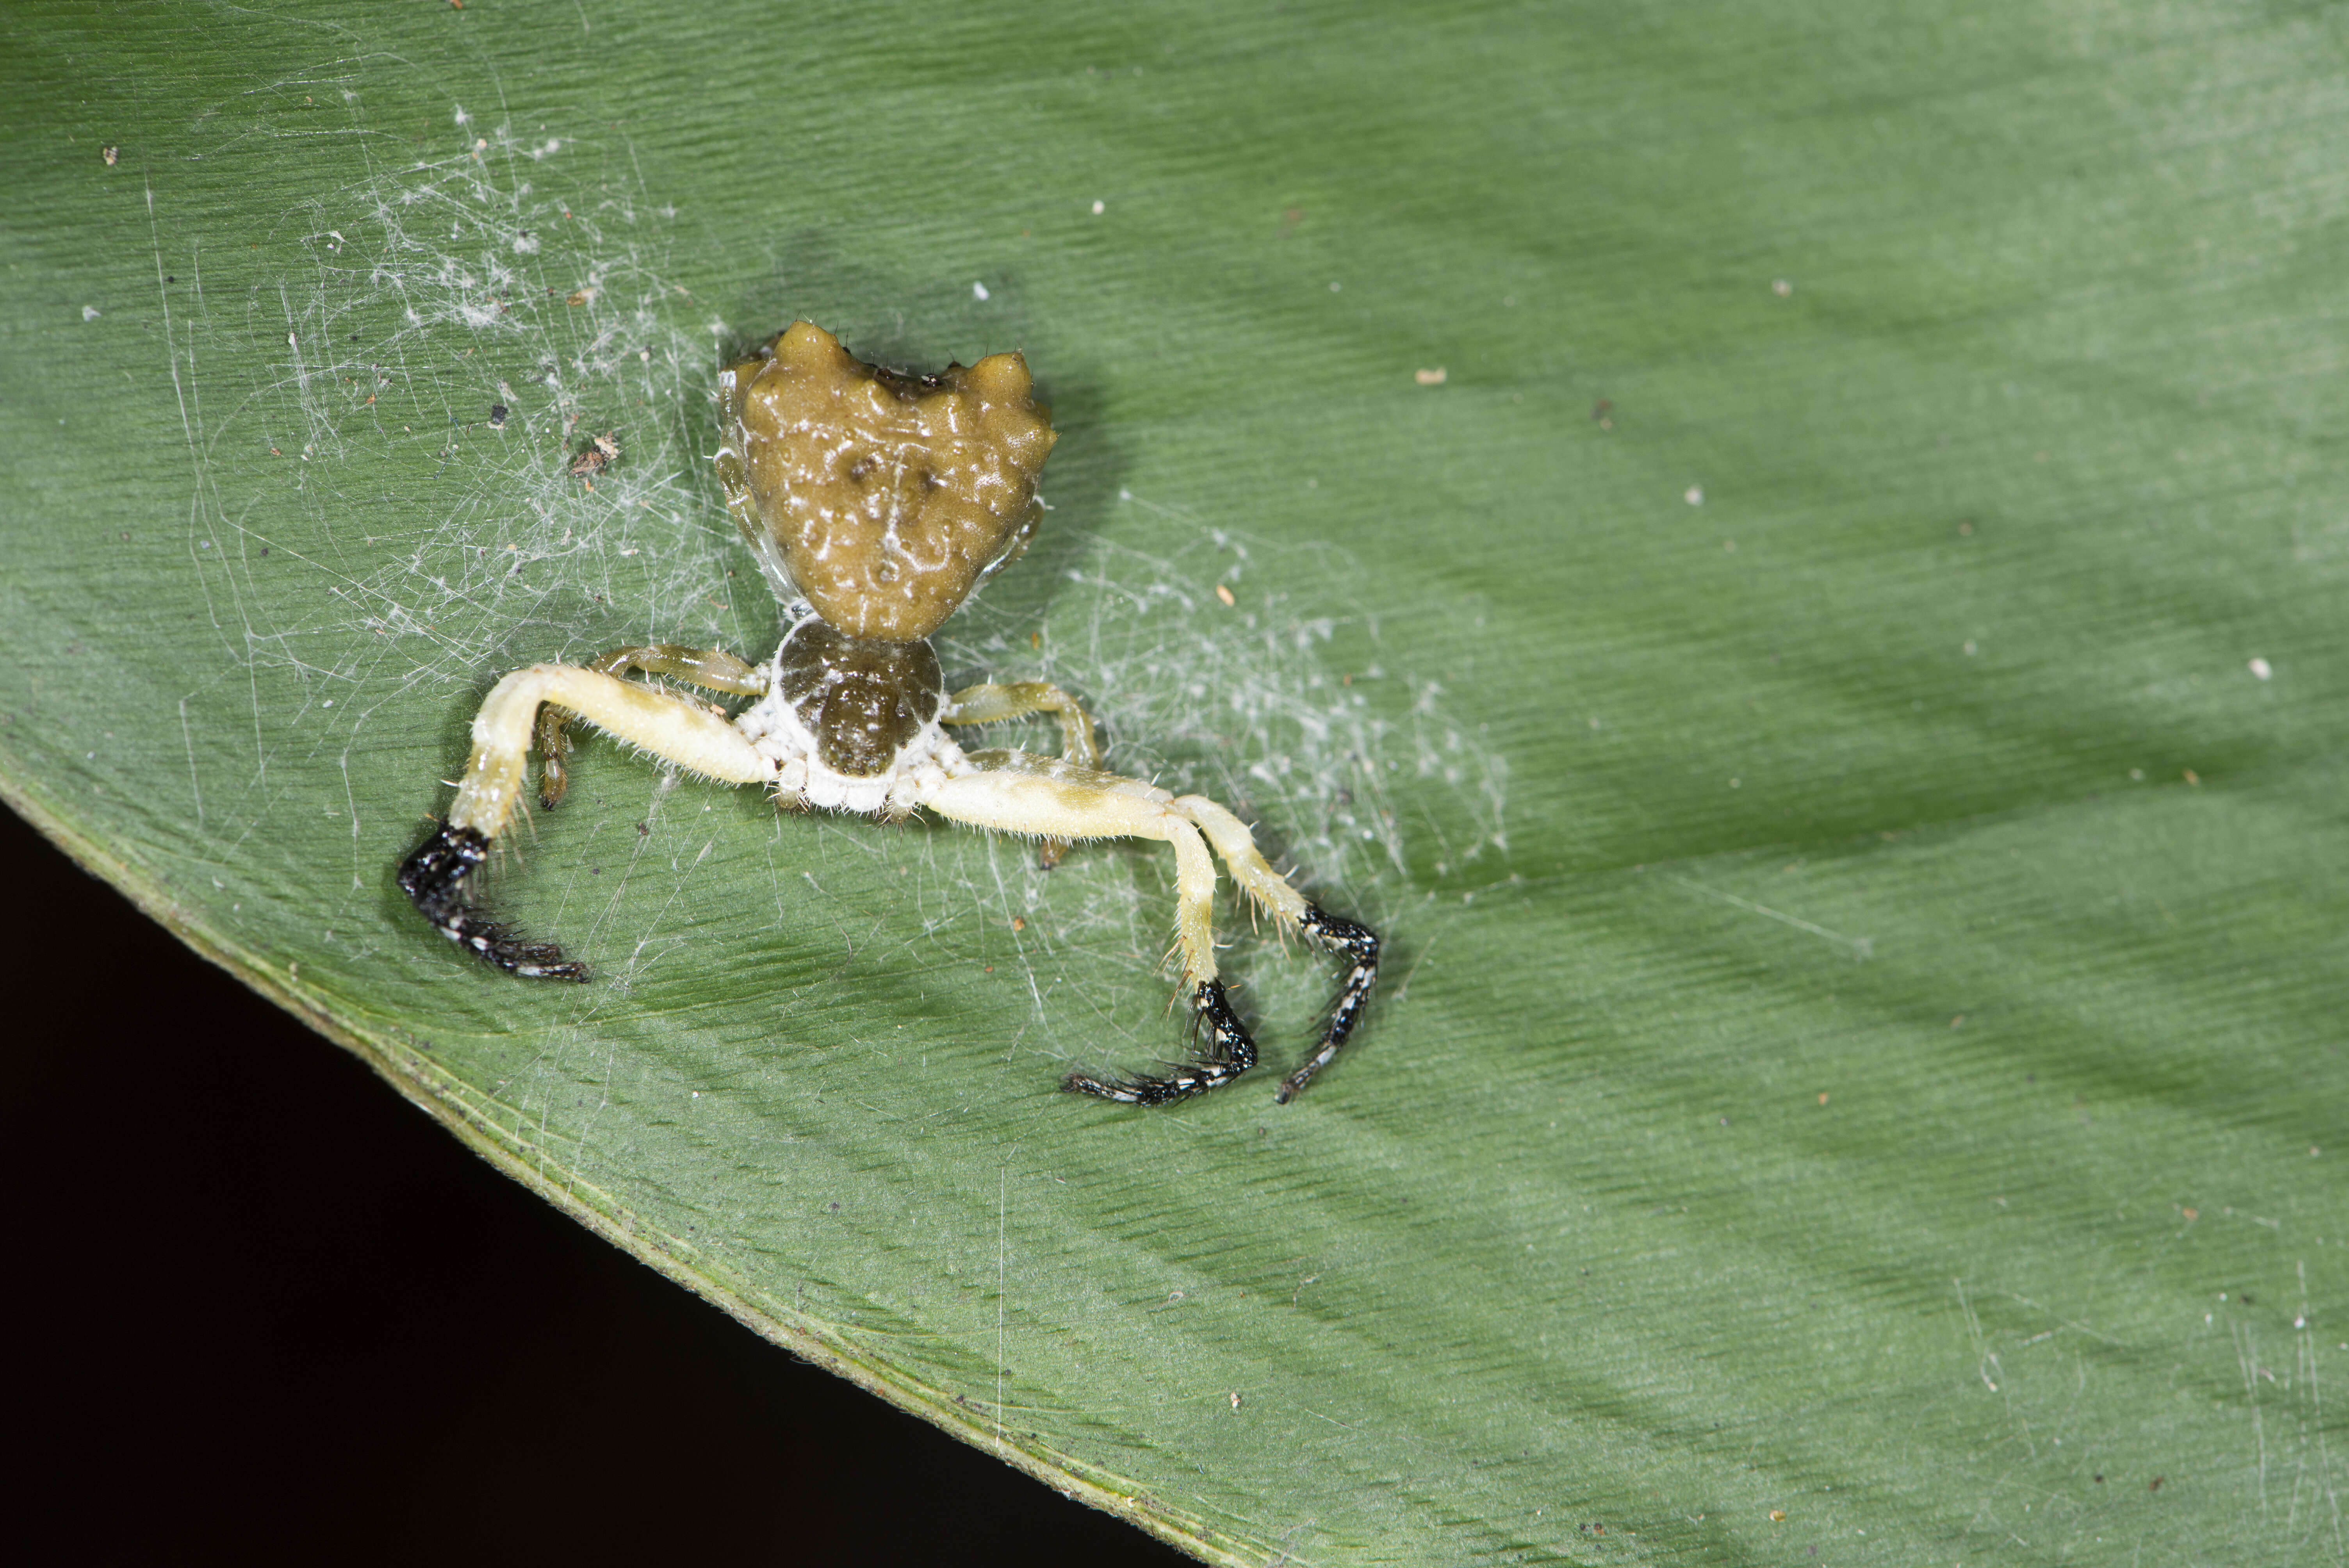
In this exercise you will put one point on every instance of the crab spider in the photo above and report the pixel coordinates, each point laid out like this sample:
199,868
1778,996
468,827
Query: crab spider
876,503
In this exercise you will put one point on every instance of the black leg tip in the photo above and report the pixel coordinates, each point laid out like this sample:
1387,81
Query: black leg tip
1353,939
1229,1053
1358,945
433,878
1081,1082
1229,1045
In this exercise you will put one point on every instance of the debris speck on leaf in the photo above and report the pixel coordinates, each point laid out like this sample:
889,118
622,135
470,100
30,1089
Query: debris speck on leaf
597,455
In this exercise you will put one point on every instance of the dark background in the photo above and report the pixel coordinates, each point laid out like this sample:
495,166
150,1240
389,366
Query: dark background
268,1307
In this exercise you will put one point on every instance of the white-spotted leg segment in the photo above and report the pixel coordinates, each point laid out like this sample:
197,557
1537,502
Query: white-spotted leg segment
1358,945
434,877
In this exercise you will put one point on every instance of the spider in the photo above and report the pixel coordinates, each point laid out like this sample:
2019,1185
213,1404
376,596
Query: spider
875,503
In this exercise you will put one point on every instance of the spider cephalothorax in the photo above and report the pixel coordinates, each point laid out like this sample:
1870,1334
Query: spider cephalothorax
876,504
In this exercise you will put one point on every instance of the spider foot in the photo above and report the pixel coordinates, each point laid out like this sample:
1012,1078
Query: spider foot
1359,944
1229,1054
433,878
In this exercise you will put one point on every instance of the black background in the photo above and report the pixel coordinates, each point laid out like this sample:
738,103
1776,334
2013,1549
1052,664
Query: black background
268,1308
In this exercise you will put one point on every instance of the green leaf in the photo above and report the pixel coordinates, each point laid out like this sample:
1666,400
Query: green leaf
1834,695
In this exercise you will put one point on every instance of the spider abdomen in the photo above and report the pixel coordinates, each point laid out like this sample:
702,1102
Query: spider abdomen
882,499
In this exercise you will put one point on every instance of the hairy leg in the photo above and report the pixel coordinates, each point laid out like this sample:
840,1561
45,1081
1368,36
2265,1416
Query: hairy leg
1359,944
668,727
991,704
1019,793
713,668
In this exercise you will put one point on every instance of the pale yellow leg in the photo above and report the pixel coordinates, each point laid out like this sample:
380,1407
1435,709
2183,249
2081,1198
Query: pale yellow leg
1041,796
712,667
1019,793
435,877
670,727
991,704
1247,863
1355,944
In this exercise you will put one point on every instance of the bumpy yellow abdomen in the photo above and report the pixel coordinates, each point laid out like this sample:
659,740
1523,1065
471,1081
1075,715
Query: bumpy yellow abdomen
884,498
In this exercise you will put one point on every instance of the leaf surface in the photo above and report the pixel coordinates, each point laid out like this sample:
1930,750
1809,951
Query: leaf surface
1792,562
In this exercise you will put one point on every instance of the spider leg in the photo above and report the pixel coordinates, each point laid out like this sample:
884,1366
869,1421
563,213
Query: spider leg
1019,793
1358,943
682,732
712,667
990,703
434,880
